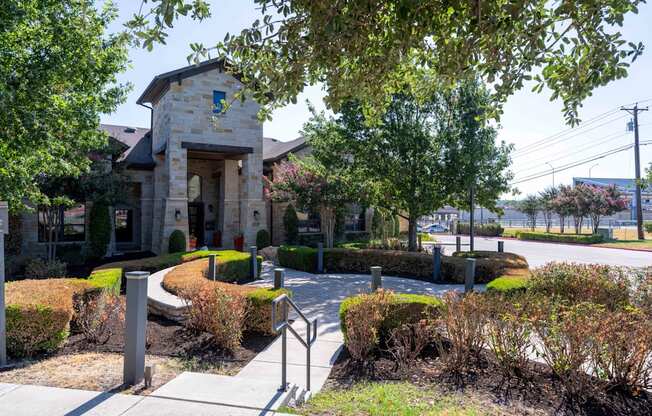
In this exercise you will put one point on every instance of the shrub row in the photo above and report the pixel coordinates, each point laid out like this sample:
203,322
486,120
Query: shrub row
486,230
560,238
188,279
648,226
489,265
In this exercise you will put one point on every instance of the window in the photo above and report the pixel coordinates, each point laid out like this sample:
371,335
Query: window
124,225
71,223
218,97
194,188
354,219
309,222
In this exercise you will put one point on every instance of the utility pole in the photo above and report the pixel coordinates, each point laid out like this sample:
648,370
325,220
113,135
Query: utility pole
637,162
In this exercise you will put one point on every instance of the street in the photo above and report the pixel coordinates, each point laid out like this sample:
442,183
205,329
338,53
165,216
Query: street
538,254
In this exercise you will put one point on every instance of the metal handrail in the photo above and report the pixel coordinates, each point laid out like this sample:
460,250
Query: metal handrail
283,326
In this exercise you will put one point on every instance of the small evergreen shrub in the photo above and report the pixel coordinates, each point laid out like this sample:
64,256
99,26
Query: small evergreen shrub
508,285
263,239
99,230
561,238
43,269
291,224
177,242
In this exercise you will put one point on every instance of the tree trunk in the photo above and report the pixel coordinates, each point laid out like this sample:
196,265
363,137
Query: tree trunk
111,250
328,220
596,223
412,233
562,223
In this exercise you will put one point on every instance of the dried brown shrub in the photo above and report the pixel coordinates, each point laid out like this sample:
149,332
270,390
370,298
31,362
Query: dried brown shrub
363,321
461,325
95,311
406,343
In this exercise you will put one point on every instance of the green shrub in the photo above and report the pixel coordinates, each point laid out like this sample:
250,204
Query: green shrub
577,283
560,238
177,242
99,230
508,284
291,224
486,230
401,309
310,240
43,269
648,227
263,239
109,279
298,258
259,316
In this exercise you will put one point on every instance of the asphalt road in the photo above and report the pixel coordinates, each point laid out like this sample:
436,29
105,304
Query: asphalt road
538,254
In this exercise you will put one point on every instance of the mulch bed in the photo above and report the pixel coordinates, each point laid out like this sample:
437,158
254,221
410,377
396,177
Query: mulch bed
535,393
169,345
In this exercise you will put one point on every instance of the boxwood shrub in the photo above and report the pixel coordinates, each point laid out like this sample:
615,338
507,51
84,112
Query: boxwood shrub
486,230
508,285
177,242
561,238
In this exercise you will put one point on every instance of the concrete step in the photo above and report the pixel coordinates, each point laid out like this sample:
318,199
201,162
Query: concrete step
240,392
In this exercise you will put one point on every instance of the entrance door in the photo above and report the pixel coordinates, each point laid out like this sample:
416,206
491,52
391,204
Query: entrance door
196,221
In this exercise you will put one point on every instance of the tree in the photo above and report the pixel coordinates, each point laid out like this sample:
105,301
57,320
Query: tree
291,224
564,205
547,199
58,68
312,187
603,201
581,195
99,232
530,206
367,50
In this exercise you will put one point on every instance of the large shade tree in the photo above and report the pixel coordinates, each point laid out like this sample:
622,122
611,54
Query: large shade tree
367,50
58,67
420,156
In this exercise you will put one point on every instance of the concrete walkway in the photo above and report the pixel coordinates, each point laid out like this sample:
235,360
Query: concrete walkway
253,391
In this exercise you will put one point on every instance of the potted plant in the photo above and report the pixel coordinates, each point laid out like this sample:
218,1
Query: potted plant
192,242
238,242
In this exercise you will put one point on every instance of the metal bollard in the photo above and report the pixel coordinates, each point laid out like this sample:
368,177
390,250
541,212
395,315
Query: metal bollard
469,275
253,250
212,267
320,257
501,246
279,279
458,243
135,328
436,264
376,278
3,323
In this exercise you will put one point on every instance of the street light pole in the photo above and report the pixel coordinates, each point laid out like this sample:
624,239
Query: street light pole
553,173
597,164
637,170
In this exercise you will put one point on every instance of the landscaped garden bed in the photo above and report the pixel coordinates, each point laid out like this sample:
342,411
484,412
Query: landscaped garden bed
489,265
574,340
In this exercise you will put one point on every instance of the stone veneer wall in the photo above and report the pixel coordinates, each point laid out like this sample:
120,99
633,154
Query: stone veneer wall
185,114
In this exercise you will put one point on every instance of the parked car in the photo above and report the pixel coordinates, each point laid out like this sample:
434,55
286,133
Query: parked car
436,228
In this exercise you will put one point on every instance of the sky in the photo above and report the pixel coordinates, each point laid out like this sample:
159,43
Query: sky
528,117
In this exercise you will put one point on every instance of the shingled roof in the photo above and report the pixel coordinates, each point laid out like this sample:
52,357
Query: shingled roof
275,150
137,142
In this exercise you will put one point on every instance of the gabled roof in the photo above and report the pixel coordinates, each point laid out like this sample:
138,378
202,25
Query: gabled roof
137,142
275,150
159,84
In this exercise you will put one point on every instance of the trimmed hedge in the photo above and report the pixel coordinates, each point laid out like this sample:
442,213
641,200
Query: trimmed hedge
190,274
485,230
489,265
560,238
403,309
39,313
508,285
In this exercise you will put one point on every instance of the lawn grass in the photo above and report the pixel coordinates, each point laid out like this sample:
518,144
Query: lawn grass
389,399
628,244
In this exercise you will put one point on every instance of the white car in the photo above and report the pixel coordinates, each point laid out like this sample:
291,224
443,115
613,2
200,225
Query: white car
435,228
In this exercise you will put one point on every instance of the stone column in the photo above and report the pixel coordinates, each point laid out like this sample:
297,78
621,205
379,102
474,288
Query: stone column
230,212
176,202
253,215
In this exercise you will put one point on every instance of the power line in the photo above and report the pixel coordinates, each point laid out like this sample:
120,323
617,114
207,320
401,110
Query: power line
580,162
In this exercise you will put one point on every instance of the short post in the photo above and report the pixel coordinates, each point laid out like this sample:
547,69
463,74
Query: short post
320,257
469,275
135,328
279,279
458,243
376,278
254,262
436,264
3,329
501,246
212,267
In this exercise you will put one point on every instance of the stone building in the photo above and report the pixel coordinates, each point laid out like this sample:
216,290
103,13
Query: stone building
196,169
